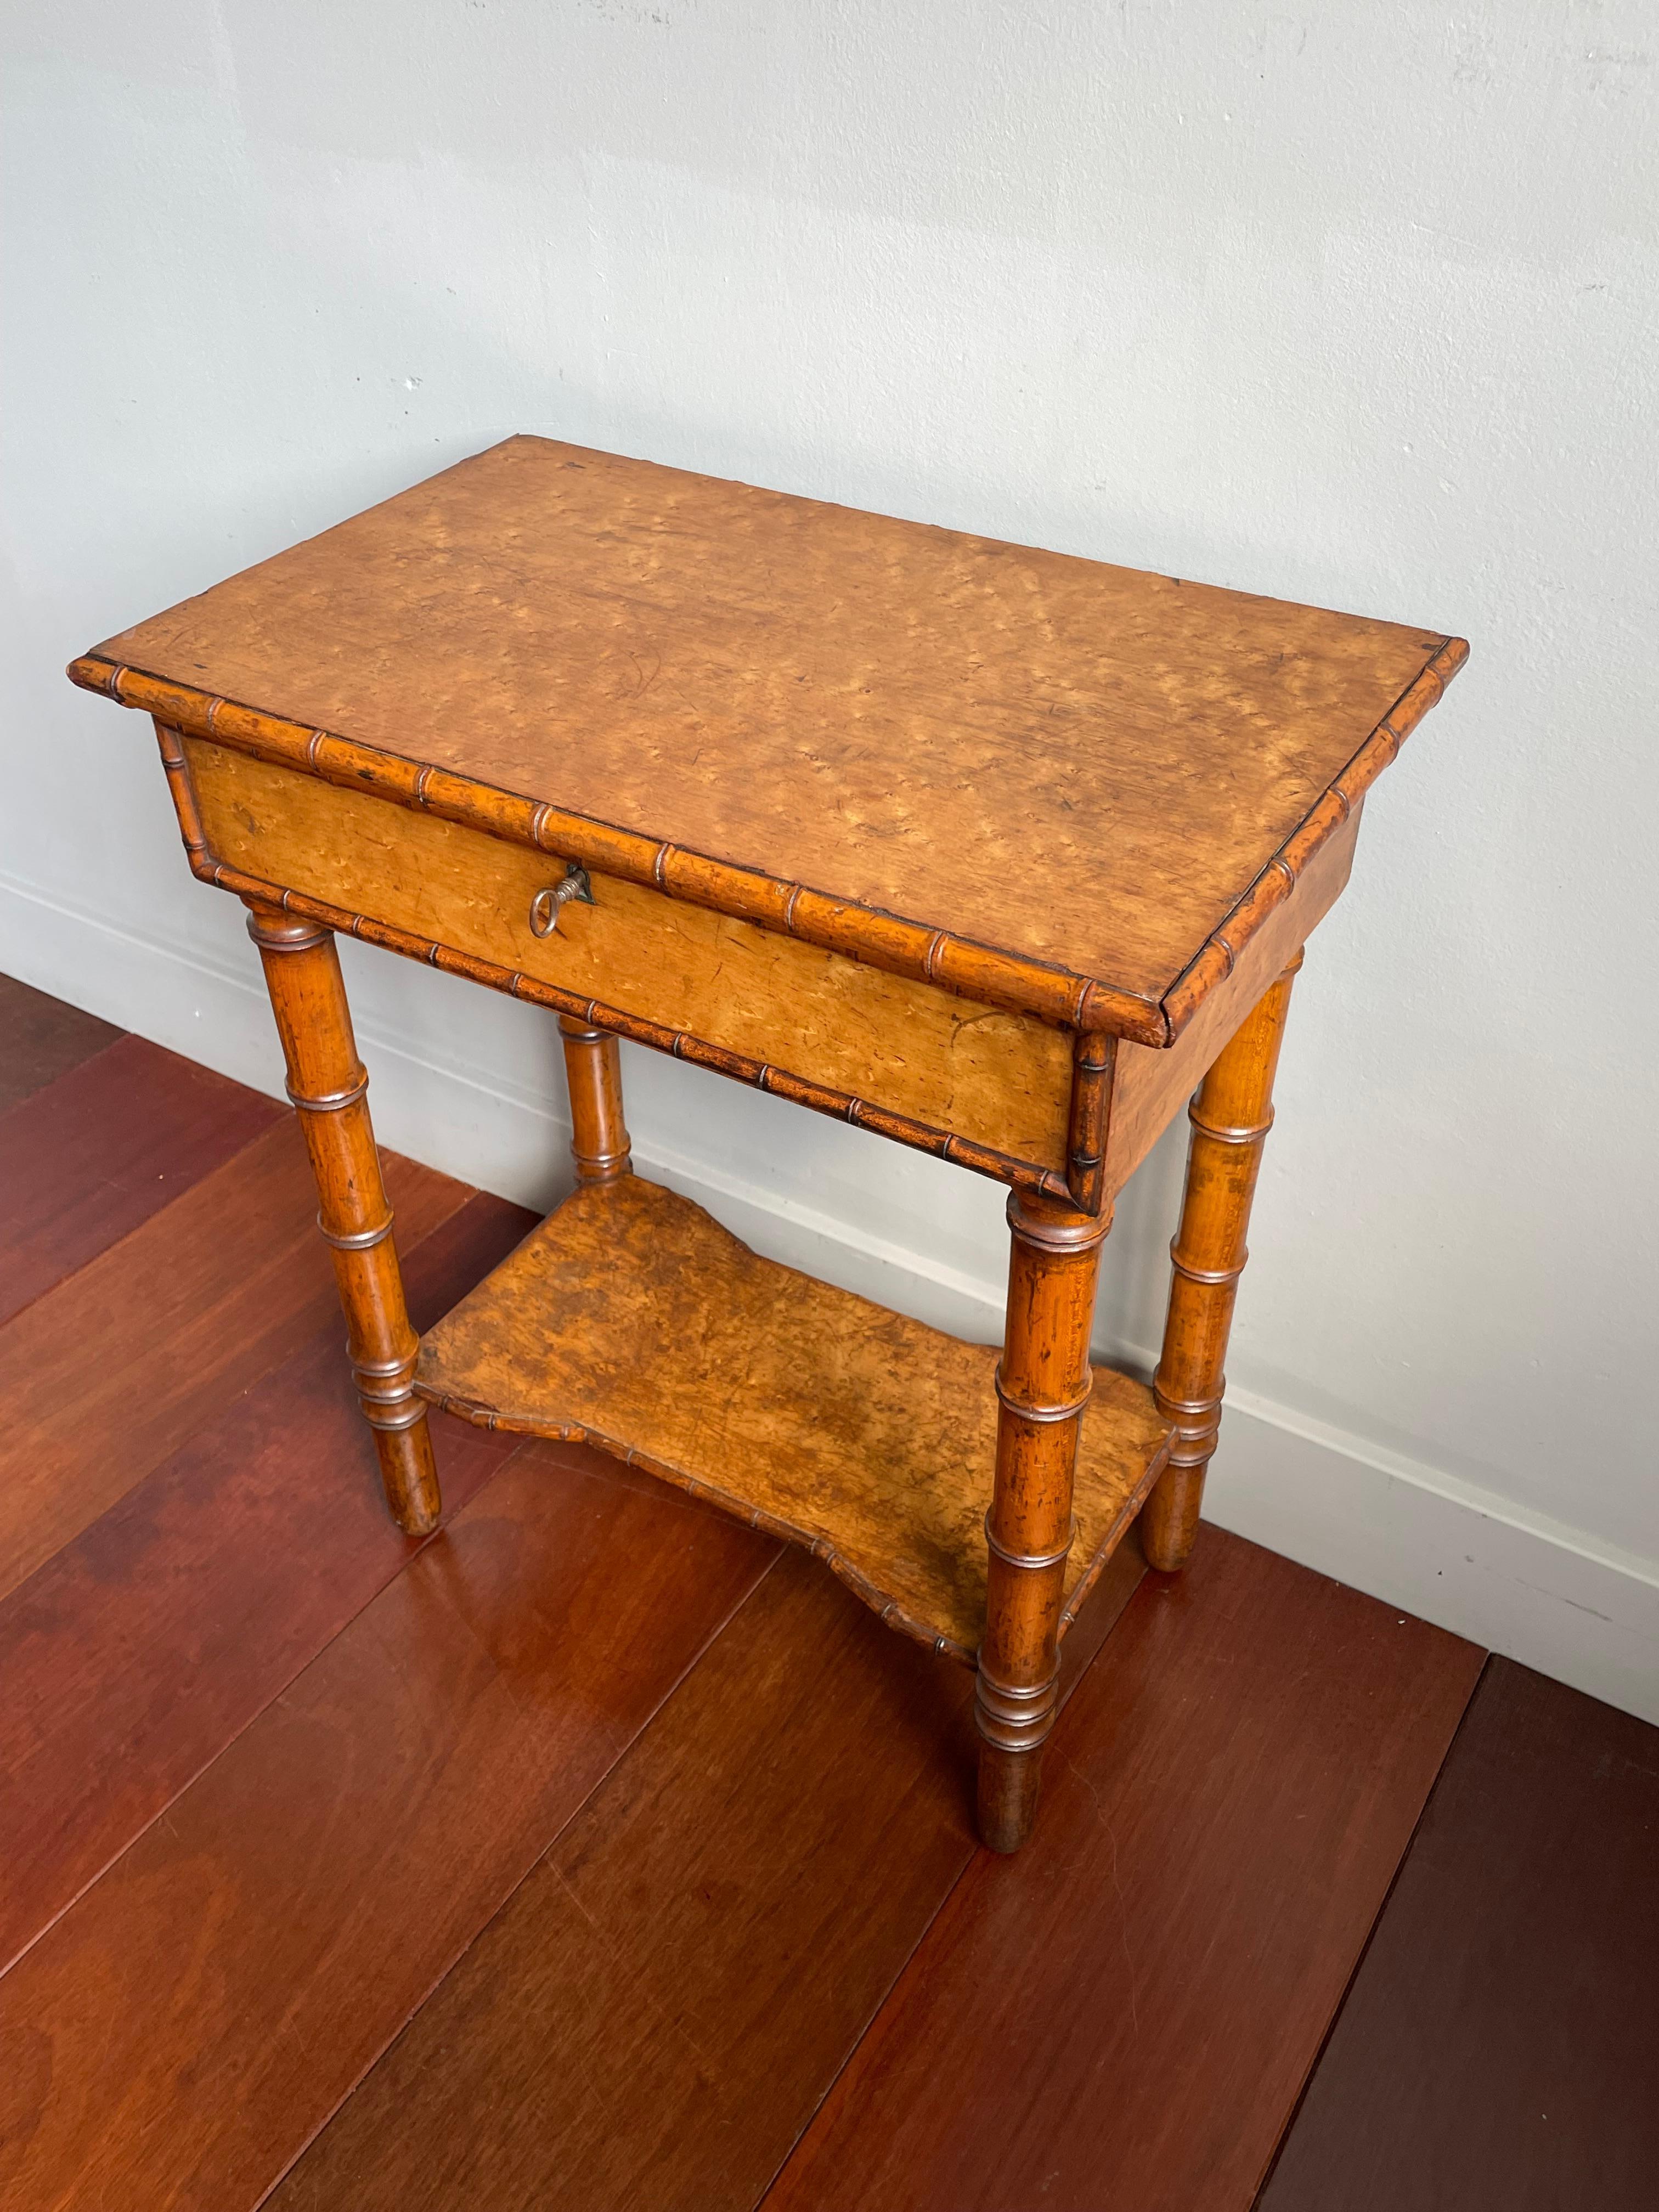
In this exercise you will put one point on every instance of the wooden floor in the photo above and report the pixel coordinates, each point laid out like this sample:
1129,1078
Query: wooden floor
597,1852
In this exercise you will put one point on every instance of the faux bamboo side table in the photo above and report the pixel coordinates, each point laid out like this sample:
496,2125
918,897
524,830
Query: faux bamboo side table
994,853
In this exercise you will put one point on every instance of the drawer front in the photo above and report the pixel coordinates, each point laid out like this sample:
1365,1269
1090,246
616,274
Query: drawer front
999,1080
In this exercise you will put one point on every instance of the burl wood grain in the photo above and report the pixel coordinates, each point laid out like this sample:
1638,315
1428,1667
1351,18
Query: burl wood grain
1002,1080
634,1321
1082,766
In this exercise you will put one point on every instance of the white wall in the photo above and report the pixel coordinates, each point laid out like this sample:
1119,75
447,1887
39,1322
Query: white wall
1353,304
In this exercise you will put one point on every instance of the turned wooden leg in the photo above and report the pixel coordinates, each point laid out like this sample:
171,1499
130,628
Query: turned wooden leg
326,1082
592,1068
1043,1384
1230,1118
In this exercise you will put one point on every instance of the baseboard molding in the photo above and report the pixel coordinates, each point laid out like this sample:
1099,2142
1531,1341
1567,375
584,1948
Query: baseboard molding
1522,1584
1549,1595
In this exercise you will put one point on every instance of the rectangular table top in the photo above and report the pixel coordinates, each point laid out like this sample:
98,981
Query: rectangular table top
1084,768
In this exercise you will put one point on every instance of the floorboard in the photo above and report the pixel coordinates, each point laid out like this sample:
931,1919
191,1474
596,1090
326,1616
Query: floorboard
1125,2012
1498,2050
177,2037
134,1656
591,1852
96,1153
42,1038
652,2019
109,1371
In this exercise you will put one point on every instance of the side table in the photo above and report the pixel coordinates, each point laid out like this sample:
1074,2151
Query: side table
992,852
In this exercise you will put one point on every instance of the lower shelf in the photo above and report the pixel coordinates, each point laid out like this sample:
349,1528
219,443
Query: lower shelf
632,1320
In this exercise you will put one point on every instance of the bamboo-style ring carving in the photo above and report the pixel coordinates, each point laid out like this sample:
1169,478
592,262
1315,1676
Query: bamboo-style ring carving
359,1240
276,930
1251,1133
408,1415
545,906
1215,1278
330,1102
1032,1562
1015,1717
1079,1234
1025,1411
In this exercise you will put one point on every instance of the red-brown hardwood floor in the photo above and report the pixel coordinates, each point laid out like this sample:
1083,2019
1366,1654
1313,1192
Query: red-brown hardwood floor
596,1852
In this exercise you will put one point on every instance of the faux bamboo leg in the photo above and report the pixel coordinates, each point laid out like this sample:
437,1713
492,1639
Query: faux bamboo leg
592,1067
327,1083
1230,1118
1043,1384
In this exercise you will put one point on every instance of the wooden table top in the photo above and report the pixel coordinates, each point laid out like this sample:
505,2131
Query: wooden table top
1081,767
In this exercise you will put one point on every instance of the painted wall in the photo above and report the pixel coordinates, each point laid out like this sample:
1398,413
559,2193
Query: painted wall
1350,304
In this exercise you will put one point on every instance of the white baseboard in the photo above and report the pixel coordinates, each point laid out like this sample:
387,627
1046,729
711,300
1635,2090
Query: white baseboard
1520,1583
1409,1534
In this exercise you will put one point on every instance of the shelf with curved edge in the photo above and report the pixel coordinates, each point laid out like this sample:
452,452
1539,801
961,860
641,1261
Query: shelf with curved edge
630,1319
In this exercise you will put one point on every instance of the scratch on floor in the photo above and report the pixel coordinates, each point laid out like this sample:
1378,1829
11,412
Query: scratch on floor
1117,1884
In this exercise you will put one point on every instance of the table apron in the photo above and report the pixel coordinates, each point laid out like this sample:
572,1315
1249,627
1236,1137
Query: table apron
989,1089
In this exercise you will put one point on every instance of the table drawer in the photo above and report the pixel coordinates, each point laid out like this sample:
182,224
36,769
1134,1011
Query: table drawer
998,1080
